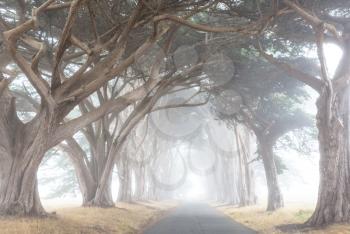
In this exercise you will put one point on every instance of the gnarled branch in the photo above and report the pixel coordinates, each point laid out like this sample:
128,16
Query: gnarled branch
307,79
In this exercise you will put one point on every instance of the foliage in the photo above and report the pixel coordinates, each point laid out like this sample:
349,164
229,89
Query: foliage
58,175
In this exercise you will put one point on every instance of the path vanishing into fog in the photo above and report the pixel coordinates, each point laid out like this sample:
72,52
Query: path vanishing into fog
197,219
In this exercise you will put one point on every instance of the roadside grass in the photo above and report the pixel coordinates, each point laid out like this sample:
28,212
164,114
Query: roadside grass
123,219
264,222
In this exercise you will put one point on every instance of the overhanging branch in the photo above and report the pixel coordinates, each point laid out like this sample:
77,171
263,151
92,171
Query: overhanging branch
307,79
251,28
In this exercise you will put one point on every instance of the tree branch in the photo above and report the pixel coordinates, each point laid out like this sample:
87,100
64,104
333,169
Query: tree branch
114,105
312,19
62,45
12,36
3,85
307,79
251,28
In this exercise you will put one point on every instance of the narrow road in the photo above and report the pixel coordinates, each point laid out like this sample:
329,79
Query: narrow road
197,219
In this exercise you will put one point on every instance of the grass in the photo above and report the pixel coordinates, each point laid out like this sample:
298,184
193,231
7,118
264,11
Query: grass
256,218
123,219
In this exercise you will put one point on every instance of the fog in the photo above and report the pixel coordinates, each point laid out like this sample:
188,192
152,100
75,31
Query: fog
128,110
194,135
199,156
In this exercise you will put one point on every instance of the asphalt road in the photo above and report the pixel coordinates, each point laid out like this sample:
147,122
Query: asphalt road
197,219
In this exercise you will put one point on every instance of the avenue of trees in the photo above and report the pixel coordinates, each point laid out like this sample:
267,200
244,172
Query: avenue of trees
134,87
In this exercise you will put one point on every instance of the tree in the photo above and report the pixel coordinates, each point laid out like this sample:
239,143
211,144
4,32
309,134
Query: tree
261,98
108,52
94,57
234,175
332,105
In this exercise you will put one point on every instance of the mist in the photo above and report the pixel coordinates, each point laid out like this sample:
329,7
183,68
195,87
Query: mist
164,117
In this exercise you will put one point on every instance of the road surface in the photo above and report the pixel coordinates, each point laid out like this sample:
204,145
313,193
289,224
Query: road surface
197,219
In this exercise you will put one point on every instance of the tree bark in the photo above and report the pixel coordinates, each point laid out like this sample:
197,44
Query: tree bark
275,198
88,175
19,192
22,148
105,200
333,203
140,111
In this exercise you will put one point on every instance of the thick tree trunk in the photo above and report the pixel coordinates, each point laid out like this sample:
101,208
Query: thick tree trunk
333,203
105,200
90,199
19,191
275,198
22,148
89,189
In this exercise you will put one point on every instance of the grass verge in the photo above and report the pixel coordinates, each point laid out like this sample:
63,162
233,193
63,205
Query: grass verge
123,219
264,222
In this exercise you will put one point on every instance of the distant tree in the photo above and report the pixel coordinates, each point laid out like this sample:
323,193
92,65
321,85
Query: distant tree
265,101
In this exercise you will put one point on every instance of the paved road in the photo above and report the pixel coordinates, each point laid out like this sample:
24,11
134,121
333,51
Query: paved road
197,219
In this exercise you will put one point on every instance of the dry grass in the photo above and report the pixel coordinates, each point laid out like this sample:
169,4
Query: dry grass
256,218
124,219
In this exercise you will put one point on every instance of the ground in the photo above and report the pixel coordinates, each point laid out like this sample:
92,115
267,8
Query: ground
256,218
197,218
131,218
124,219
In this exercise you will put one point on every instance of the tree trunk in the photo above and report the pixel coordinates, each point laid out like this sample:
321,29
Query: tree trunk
19,191
86,182
88,173
106,200
245,191
125,188
333,203
140,111
251,196
275,198
22,148
89,191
